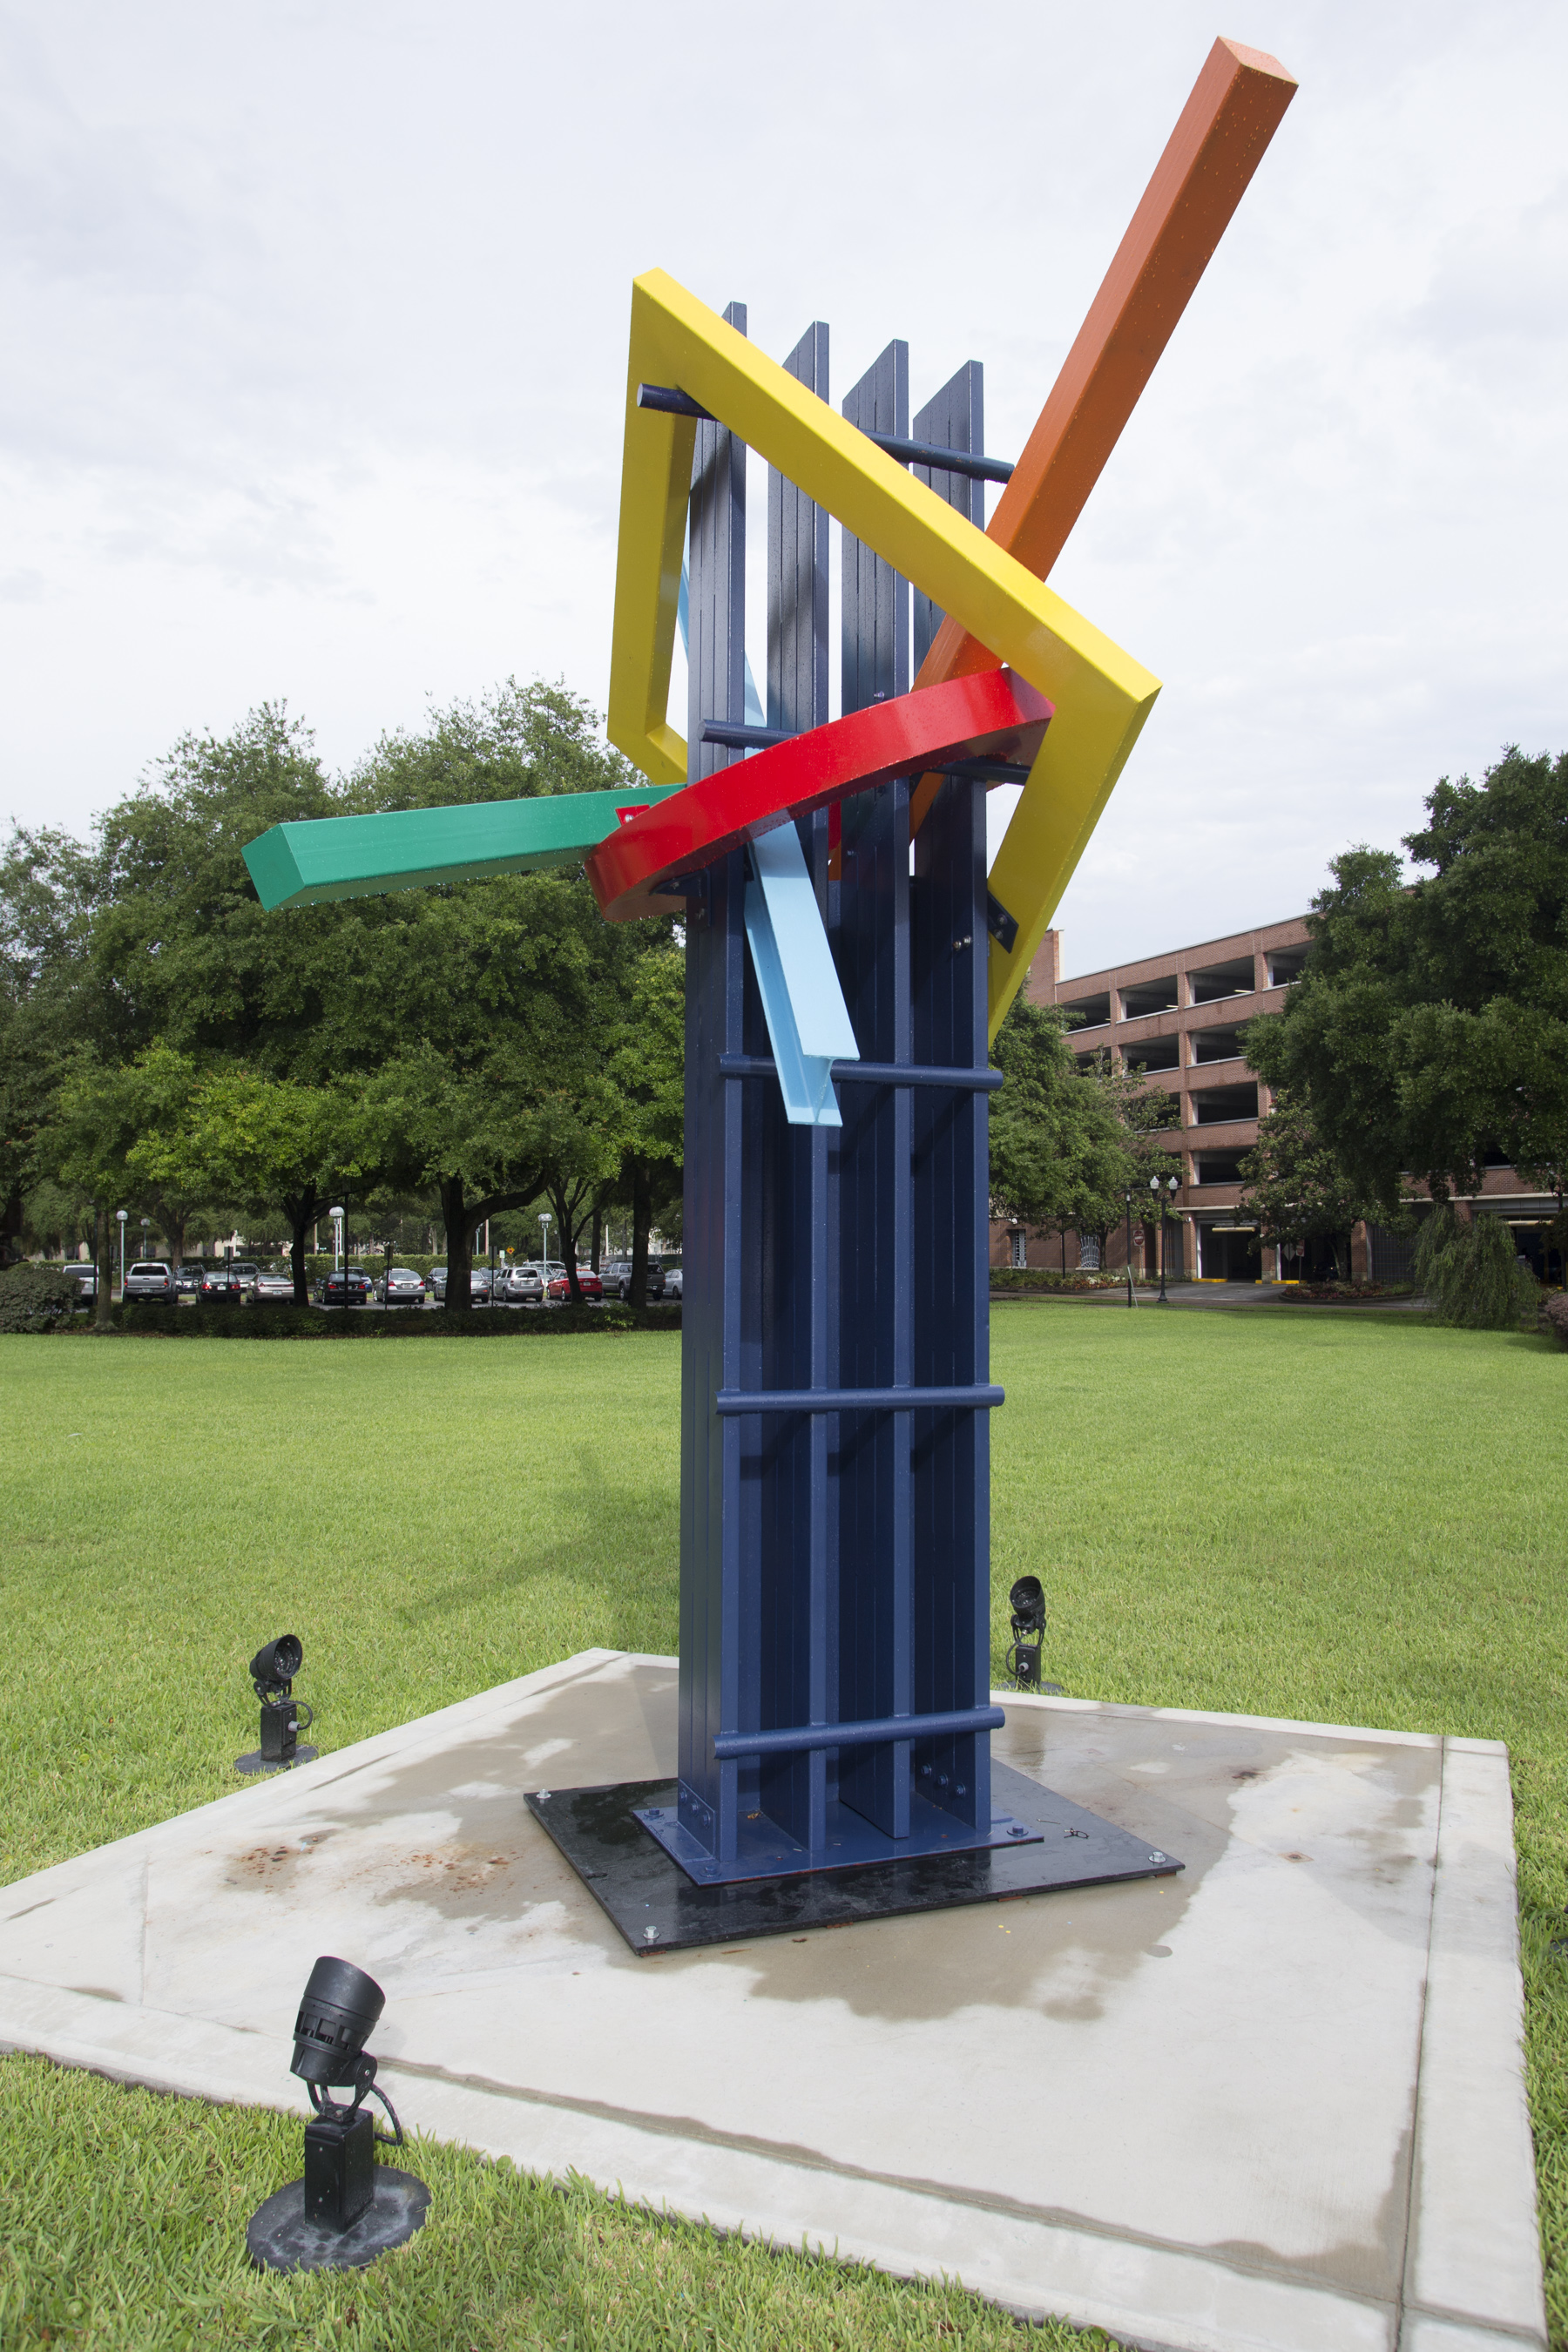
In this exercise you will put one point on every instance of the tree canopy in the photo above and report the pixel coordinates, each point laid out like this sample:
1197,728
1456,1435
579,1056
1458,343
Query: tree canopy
1066,1145
1296,1187
1428,1030
164,1039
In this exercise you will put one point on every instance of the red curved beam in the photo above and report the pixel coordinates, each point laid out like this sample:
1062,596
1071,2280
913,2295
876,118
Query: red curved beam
992,714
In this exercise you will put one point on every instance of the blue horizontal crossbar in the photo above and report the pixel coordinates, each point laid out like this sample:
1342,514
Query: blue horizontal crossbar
873,1074
949,1726
911,1399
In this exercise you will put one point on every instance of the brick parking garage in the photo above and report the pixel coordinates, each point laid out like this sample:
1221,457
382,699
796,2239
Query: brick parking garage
1178,1016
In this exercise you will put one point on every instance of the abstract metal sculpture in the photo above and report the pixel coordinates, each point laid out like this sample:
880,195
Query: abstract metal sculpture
848,961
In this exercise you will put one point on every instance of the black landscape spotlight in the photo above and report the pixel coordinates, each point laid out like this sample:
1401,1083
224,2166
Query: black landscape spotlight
272,1671
1028,1602
348,2208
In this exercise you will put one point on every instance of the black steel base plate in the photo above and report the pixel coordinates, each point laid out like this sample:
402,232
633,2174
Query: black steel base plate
257,1762
280,2239
658,1909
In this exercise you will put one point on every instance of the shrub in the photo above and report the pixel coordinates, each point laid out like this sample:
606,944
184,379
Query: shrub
1554,1315
1470,1271
1046,1277
33,1298
281,1322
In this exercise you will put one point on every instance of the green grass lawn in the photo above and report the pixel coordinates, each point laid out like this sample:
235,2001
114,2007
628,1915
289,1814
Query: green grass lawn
1356,1519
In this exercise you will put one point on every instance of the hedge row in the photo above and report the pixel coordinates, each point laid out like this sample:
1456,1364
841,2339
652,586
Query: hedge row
151,1320
1077,1279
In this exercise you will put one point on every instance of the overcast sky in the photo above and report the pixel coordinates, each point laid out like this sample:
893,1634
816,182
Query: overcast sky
316,345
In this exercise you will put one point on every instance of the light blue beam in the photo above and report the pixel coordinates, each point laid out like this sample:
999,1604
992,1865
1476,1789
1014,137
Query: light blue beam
808,1020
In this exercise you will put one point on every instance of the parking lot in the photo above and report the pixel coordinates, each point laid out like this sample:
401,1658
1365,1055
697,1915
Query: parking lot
525,1287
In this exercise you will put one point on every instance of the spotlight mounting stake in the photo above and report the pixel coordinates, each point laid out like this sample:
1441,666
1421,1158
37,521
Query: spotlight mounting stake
273,1673
1028,1602
347,2208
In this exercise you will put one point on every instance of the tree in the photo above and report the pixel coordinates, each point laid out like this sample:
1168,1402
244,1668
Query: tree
1469,1272
103,1111
1297,1188
48,1007
264,1143
1428,1030
1065,1148
647,1065
470,1025
483,1013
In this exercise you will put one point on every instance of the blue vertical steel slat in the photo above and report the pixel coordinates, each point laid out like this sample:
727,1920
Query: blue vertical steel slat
797,572
790,1177
875,619
954,418
872,939
713,1548
951,1464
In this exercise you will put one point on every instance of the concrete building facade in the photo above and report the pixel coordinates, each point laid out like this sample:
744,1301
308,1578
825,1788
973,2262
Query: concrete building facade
1177,1014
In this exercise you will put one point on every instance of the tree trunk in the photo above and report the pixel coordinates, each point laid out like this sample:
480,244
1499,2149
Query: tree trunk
459,1255
296,1265
595,1248
642,1217
568,1228
104,1266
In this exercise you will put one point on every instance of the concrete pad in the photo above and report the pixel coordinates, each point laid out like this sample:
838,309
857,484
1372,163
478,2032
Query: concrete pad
1274,2104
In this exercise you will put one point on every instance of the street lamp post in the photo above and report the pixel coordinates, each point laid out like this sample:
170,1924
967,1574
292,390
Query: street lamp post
121,1214
1163,1193
1131,1300
145,1223
544,1247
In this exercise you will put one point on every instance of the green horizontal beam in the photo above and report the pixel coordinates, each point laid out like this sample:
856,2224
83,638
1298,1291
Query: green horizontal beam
362,857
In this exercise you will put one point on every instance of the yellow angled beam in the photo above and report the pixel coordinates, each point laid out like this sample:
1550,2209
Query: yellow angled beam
1102,694
655,489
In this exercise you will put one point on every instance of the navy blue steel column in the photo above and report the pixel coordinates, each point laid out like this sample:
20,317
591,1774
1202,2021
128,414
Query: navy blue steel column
714,1548
834,1565
954,418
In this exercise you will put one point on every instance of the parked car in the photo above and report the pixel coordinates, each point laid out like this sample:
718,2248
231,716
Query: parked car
224,1284
524,1287
401,1287
346,1286
250,1274
188,1275
588,1283
274,1282
480,1283
672,1289
616,1274
86,1280
150,1278
436,1284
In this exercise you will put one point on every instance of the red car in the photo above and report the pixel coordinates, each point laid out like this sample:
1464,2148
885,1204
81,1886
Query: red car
588,1283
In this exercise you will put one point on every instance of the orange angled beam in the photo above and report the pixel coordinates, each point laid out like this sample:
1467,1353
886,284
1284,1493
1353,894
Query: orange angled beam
1216,147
